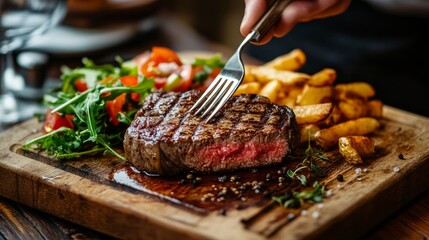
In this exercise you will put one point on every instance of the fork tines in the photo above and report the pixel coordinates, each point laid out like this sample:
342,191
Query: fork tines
223,86
215,97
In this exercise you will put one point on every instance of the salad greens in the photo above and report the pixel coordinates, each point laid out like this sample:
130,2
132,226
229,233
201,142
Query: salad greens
92,132
207,66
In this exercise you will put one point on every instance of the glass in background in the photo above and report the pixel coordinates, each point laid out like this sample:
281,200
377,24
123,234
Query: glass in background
20,21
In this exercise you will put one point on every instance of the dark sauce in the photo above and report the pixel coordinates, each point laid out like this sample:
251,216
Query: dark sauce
212,192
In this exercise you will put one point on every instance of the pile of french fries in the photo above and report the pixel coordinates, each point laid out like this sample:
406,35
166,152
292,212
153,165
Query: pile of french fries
325,112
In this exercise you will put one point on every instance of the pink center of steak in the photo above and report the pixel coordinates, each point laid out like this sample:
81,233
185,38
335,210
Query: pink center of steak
231,155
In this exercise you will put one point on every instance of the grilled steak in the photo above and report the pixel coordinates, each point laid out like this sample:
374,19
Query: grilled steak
250,131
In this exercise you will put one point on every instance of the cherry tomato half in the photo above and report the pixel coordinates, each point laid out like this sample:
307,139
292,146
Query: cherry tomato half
162,54
130,80
115,106
80,85
158,55
53,121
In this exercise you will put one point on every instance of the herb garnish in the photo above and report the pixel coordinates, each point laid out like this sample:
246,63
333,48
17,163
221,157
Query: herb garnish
297,199
294,174
311,155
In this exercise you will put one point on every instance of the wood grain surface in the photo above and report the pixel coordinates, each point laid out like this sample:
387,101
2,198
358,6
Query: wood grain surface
69,191
20,222
411,222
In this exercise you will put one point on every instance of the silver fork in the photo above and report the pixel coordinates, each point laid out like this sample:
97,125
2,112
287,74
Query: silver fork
231,76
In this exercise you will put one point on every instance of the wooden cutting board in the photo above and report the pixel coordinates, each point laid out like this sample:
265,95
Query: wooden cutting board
106,195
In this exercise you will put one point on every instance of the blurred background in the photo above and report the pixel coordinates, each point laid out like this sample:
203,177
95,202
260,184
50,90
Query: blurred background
386,48
218,20
101,29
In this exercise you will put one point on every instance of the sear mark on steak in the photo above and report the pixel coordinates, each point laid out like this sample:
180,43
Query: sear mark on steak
249,131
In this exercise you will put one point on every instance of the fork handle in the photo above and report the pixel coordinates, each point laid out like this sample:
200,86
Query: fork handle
269,19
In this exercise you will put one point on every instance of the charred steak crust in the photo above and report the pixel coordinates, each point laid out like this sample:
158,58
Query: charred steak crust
250,131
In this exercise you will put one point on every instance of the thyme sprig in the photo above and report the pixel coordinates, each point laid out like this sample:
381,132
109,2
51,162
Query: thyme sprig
293,174
297,199
311,156
309,162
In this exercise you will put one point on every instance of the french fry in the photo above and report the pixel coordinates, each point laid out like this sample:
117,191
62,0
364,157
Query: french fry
271,90
375,108
250,88
362,89
333,118
328,137
287,101
312,113
287,96
343,95
292,61
326,113
355,148
266,74
281,94
307,132
314,95
249,76
353,108
326,77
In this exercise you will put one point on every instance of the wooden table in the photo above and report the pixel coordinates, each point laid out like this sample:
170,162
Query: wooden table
21,222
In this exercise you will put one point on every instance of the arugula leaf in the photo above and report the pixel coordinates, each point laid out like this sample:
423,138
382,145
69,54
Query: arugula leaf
90,72
126,118
61,141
